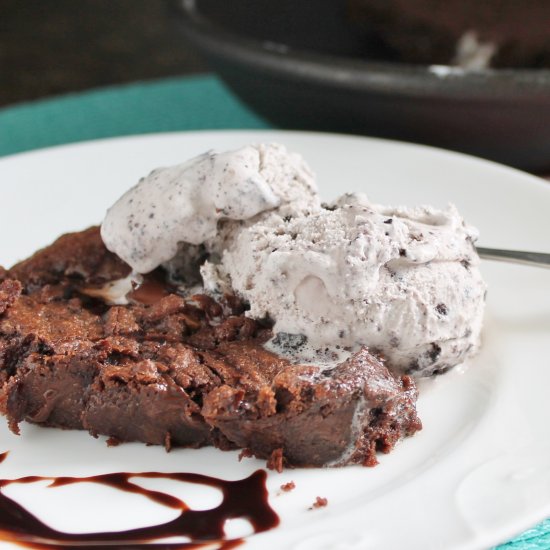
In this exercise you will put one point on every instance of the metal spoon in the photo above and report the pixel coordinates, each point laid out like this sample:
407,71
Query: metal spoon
538,259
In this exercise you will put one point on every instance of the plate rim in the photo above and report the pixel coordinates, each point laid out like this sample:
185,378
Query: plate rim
527,178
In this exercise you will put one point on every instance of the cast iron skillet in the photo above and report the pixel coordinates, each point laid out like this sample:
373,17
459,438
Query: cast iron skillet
302,65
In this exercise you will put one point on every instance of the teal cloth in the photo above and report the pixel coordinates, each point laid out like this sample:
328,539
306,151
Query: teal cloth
192,103
189,103
537,538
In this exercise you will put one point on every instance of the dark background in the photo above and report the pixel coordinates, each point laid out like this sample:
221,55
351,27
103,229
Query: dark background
49,47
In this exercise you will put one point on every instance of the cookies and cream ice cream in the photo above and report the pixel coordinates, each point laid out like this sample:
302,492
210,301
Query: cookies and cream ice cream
184,203
402,281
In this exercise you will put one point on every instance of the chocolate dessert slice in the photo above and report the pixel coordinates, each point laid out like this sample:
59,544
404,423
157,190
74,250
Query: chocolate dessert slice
180,370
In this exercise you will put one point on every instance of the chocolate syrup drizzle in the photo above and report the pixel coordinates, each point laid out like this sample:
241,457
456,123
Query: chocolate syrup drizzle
246,498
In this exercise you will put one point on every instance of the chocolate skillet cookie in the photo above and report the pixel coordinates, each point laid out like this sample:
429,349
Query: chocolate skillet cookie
179,371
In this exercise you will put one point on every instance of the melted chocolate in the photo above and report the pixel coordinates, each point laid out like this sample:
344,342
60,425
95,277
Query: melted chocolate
3,456
153,288
246,498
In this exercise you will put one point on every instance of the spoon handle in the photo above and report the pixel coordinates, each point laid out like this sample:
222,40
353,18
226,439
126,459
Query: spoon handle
539,259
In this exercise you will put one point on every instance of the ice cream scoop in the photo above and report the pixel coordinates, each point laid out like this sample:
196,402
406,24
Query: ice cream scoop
404,282
184,203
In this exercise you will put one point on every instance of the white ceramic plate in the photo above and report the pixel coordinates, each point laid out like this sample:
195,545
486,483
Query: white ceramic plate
474,476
